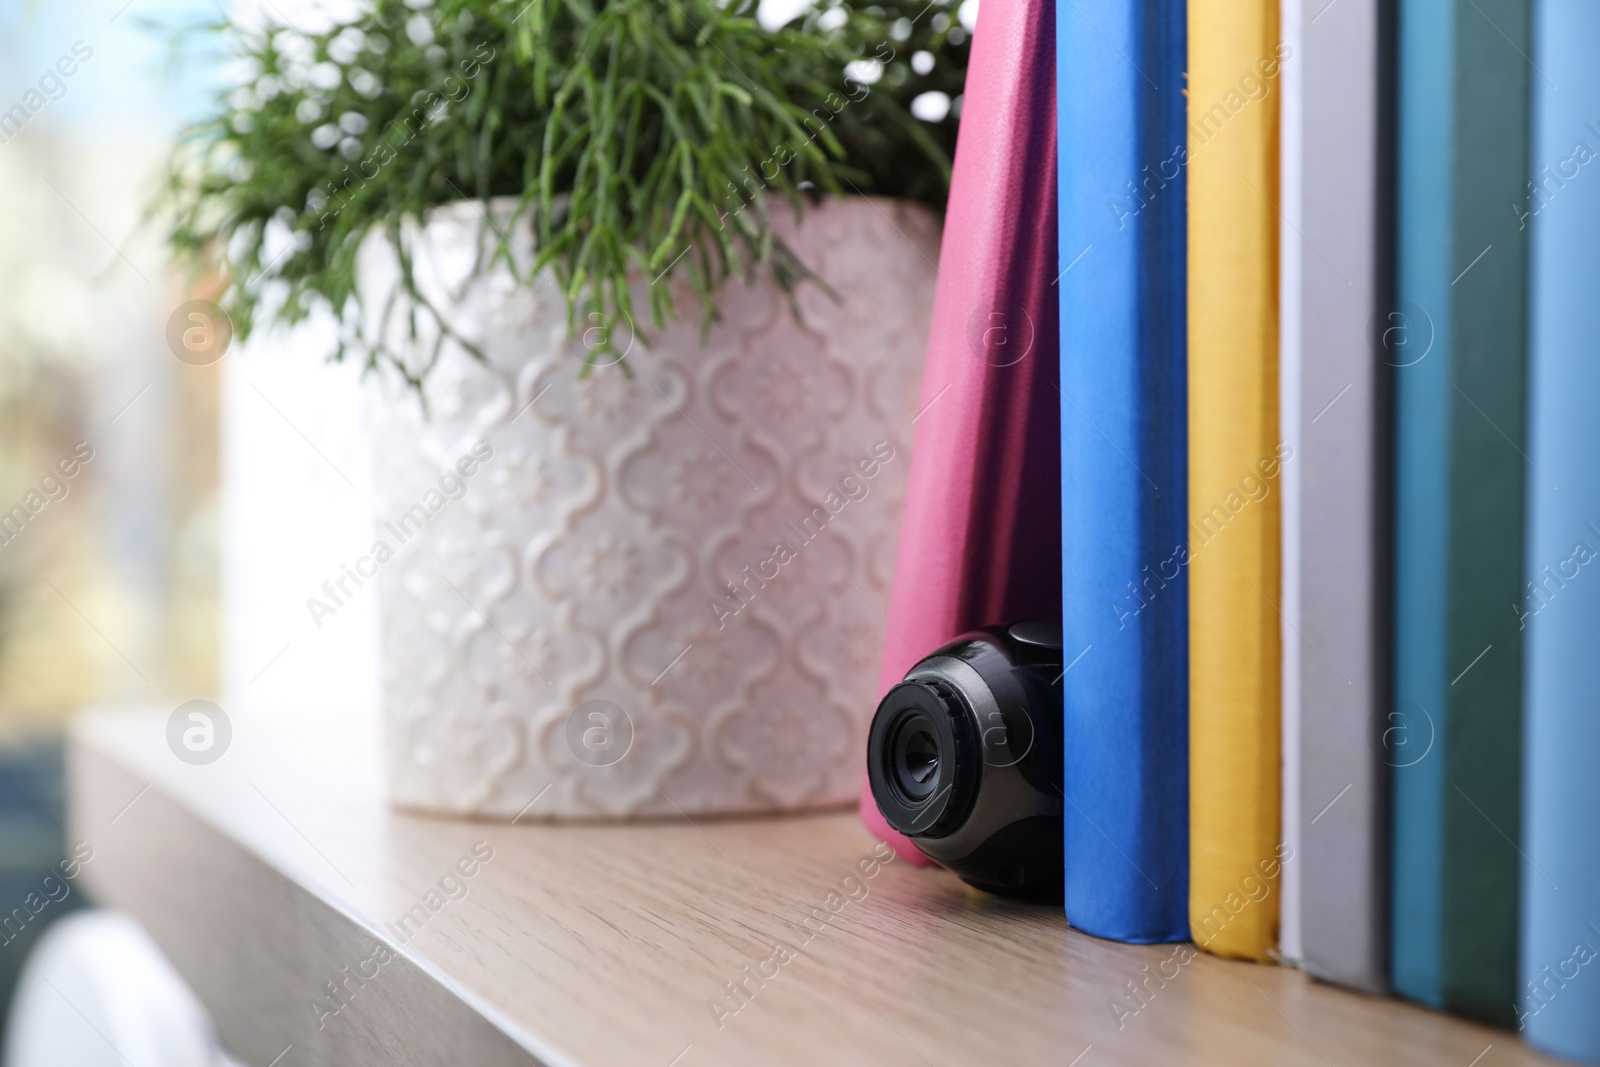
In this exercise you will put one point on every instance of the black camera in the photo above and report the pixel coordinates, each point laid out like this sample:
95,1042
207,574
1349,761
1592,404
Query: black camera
964,758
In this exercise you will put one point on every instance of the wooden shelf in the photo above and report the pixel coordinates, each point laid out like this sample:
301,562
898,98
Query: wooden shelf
279,868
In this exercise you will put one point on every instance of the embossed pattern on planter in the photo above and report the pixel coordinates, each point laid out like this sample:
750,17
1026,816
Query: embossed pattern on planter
586,557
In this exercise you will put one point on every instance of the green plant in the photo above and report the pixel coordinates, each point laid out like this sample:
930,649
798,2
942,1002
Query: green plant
627,130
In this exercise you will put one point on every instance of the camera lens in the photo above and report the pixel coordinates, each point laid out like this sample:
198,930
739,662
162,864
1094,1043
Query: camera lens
923,757
916,761
964,758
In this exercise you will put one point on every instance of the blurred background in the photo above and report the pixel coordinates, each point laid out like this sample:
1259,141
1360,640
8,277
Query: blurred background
108,579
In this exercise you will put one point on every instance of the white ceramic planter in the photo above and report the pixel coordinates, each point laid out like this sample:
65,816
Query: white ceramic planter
558,635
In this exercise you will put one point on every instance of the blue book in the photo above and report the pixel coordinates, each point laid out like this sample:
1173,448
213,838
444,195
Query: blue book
1559,987
1122,144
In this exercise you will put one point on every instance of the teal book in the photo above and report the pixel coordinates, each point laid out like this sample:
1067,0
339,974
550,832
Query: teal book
1458,343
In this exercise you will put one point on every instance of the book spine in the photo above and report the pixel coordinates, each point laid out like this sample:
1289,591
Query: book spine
1418,333
1488,477
1342,290
1124,471
1559,608
980,541
1460,492
1234,459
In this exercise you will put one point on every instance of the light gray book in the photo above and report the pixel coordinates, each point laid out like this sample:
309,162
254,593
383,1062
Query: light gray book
1342,334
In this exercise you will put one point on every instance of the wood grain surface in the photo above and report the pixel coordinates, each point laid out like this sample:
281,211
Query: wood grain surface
279,869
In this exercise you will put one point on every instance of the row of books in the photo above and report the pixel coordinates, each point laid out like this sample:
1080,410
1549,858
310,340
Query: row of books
1321,278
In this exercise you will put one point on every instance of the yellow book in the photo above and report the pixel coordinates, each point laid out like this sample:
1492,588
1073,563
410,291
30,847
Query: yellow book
1234,459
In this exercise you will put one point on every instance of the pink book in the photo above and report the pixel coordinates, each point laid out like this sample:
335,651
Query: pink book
981,539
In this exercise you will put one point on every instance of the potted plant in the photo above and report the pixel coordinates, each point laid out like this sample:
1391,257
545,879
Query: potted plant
644,288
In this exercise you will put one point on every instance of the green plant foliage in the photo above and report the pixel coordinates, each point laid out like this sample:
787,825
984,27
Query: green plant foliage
627,130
